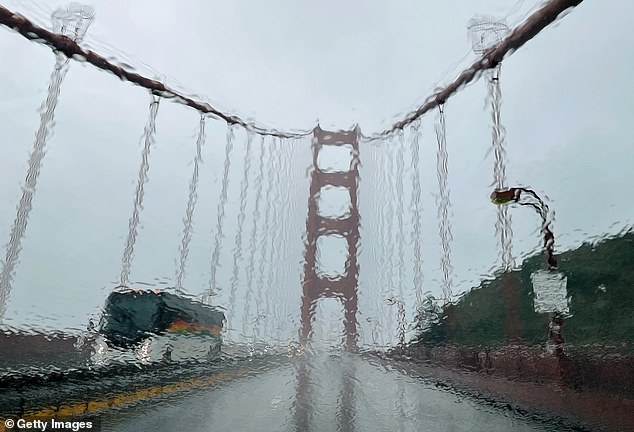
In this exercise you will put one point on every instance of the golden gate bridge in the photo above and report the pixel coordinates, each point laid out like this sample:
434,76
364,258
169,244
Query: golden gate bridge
272,151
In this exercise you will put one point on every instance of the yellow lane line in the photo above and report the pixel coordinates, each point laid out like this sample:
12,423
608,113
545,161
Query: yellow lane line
121,399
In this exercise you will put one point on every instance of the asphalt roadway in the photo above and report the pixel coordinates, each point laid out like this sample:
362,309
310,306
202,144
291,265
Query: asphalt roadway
328,392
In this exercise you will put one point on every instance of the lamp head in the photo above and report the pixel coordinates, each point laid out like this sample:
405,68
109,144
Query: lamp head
505,196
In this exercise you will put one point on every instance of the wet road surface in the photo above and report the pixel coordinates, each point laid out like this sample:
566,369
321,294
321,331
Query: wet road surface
344,393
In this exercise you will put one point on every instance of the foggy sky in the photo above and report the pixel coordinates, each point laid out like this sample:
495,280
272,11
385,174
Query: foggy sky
568,100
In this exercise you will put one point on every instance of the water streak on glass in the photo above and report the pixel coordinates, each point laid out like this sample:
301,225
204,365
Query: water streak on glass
388,226
276,235
375,172
279,243
253,237
262,291
191,205
280,213
503,226
237,252
290,219
399,408
400,210
347,401
444,226
73,21
28,190
416,211
148,140
222,202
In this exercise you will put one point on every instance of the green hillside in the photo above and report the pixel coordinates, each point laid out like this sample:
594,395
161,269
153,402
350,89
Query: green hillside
600,286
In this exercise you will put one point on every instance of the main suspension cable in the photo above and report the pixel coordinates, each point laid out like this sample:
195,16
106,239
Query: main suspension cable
71,49
490,58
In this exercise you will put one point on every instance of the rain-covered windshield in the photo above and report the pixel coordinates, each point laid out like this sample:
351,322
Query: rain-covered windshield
322,216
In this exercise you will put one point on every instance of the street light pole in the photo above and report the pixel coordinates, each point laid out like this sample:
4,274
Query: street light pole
528,197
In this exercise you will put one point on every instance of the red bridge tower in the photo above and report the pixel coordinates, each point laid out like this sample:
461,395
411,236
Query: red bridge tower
345,286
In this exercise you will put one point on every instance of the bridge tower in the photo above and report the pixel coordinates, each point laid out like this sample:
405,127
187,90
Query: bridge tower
343,287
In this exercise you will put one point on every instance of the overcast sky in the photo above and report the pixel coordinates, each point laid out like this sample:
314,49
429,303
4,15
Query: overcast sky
568,101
